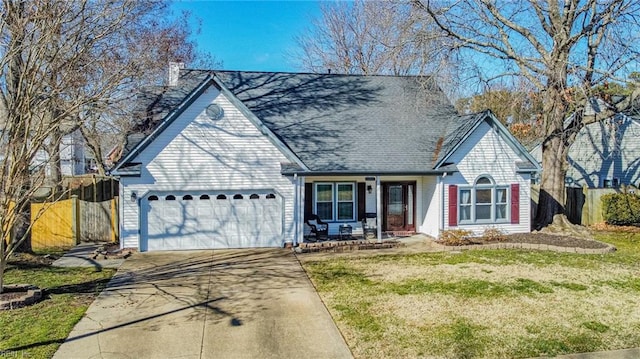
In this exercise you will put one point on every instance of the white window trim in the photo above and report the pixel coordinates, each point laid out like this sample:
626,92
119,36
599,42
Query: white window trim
335,201
494,202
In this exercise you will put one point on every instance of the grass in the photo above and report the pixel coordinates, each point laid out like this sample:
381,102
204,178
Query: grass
485,304
38,330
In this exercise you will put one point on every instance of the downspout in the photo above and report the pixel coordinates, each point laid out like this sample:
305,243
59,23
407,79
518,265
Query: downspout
378,209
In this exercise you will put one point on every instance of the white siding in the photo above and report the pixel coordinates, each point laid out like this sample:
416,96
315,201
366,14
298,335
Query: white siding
431,203
195,153
485,152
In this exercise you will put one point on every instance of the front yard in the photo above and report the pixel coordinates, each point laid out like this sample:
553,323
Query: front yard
485,303
37,331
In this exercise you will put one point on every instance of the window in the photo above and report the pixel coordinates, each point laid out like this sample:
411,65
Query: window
484,202
324,201
335,201
345,201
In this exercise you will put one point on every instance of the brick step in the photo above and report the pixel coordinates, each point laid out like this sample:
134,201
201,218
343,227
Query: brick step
345,246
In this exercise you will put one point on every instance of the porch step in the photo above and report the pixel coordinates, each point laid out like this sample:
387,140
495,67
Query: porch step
345,246
401,233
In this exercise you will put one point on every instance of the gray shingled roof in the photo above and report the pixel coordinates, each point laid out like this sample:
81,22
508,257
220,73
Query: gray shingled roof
336,123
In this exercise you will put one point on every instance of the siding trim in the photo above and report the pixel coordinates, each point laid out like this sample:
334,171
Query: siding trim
174,114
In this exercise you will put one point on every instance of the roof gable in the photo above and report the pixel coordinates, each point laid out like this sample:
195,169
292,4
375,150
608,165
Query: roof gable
527,163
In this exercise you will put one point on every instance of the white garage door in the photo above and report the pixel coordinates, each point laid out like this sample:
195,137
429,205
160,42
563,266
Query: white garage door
211,220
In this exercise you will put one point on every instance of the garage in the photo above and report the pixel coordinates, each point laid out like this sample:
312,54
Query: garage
212,220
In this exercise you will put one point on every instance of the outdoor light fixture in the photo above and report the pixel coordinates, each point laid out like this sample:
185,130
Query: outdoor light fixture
369,189
134,196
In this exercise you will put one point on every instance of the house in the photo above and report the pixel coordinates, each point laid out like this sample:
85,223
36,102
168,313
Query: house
229,159
605,154
74,159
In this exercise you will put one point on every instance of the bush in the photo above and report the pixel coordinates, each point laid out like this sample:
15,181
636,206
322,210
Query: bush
493,235
455,237
621,208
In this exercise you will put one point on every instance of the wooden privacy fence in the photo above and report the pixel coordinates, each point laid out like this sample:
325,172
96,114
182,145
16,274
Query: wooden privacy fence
582,205
66,223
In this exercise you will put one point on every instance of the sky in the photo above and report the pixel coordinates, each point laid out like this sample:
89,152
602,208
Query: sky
250,35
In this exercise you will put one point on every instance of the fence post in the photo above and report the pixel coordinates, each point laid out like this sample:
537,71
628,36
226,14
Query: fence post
75,218
114,219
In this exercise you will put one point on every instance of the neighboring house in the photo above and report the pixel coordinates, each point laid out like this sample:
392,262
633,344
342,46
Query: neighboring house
605,154
228,159
74,159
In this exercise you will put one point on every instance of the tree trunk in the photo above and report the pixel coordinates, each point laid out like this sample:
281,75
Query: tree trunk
3,263
21,235
552,186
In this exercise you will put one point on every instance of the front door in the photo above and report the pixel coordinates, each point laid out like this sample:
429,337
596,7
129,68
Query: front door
399,206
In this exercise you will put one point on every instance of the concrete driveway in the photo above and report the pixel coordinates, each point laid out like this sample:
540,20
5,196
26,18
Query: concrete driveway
207,304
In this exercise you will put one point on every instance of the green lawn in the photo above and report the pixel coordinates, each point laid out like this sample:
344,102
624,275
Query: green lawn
485,304
37,331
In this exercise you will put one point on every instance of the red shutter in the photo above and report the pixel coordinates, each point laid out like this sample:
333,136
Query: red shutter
453,205
515,203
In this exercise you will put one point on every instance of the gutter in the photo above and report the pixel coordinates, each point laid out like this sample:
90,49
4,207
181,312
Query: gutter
443,171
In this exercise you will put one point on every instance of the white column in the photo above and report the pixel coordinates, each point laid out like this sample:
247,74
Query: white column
296,208
379,208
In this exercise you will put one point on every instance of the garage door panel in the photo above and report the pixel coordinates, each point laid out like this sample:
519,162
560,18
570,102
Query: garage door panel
213,221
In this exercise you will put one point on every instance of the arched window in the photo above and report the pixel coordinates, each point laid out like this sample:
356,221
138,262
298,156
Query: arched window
187,197
271,196
204,196
254,196
484,202
170,198
153,198
238,196
221,196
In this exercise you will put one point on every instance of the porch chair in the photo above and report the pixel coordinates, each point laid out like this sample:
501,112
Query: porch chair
316,226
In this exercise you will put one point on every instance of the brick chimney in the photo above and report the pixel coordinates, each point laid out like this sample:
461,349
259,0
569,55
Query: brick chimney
174,72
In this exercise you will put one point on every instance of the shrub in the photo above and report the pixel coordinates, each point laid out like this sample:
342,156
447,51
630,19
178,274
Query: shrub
621,208
455,237
493,235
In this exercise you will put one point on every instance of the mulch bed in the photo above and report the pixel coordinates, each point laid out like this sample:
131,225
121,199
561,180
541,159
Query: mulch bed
548,239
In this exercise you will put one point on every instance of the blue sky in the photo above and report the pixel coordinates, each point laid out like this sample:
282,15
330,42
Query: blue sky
251,35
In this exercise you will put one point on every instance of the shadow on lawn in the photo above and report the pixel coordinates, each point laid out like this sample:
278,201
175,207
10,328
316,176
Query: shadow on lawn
90,287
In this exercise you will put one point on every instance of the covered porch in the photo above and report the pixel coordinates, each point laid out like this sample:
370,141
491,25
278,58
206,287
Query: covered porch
368,207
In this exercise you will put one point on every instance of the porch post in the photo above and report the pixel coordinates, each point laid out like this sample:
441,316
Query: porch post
296,208
379,208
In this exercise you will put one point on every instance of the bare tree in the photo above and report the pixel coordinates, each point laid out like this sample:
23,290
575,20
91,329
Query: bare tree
149,47
563,48
61,63
369,38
